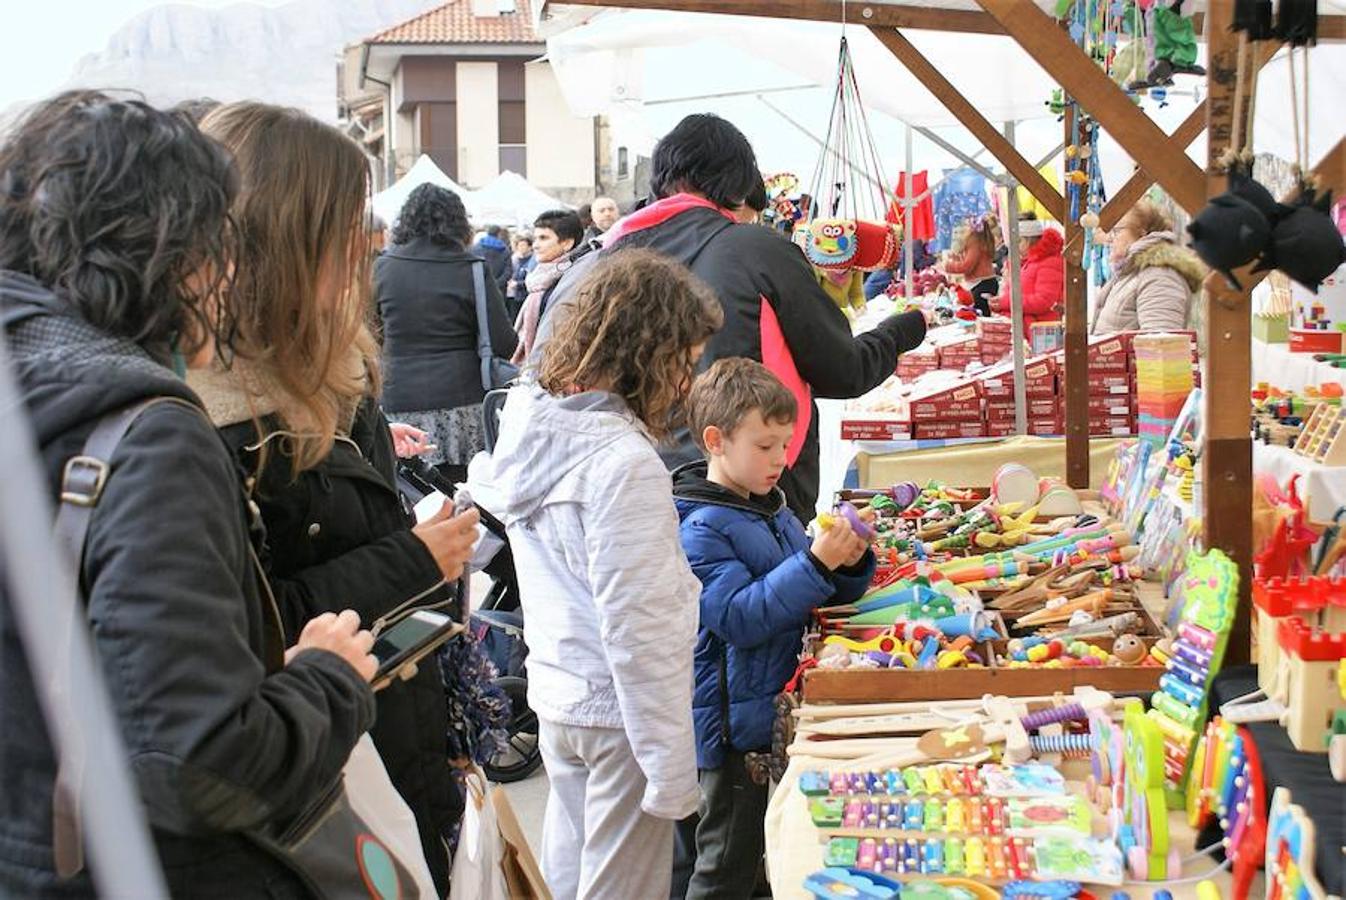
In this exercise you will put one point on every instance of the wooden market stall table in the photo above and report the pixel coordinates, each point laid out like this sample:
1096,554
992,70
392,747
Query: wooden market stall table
794,850
1323,487
1277,366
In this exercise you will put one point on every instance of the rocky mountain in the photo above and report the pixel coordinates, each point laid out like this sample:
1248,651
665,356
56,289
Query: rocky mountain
284,54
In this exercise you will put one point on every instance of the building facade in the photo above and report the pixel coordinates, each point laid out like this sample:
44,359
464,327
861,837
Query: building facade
466,84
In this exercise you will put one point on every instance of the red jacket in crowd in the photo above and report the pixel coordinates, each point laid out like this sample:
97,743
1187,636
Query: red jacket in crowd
1042,278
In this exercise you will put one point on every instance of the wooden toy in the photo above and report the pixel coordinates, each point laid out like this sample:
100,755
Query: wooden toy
1143,830
838,883
1320,602
1290,852
1323,439
1312,659
1227,786
1209,595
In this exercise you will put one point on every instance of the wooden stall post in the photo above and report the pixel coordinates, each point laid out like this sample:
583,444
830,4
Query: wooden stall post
1077,338
1227,458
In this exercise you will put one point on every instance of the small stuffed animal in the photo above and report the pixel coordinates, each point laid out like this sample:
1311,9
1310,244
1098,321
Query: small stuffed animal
829,243
1305,244
1230,232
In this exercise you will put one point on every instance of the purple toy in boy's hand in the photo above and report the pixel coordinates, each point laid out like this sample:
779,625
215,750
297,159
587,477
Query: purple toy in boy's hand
858,524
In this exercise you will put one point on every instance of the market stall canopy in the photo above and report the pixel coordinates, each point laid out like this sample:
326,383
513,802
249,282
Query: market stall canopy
388,204
512,201
647,68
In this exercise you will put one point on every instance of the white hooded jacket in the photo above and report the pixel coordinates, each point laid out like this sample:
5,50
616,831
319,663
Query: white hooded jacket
609,601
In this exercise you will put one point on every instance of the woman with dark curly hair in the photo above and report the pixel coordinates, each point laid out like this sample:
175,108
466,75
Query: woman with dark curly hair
115,252
423,292
609,600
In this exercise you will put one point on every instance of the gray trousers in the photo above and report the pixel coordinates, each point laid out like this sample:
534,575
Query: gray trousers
597,843
719,850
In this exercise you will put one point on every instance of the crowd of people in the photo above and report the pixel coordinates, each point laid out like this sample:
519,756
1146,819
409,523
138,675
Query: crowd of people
199,284
202,280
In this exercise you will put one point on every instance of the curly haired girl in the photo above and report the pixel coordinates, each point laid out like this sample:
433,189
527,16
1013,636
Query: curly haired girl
973,258
609,600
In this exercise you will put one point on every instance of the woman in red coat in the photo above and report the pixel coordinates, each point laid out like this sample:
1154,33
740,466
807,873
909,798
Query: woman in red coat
1042,275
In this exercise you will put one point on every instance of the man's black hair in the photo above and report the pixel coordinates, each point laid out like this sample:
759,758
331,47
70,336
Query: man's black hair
563,222
706,155
435,213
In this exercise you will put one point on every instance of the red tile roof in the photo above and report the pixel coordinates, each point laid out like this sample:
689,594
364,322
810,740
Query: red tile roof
454,23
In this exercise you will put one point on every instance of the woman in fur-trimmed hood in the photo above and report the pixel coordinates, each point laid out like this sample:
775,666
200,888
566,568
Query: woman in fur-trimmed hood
1154,278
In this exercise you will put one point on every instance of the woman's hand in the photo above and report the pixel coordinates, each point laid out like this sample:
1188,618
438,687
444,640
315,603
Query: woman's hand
408,441
342,635
449,539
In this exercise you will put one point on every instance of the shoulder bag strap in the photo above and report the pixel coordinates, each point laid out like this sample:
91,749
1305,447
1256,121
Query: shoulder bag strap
484,351
82,486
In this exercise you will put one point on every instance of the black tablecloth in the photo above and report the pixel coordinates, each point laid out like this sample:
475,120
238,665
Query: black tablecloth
1305,774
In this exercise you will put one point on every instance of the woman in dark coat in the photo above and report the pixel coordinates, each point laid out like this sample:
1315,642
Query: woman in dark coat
424,295
108,283
321,460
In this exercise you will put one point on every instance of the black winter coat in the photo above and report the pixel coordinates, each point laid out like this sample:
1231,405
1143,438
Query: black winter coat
774,312
221,738
425,299
339,537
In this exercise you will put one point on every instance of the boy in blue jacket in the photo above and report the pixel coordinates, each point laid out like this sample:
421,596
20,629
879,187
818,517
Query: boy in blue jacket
761,579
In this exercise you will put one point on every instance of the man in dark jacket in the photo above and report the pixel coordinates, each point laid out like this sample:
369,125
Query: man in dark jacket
496,252
775,312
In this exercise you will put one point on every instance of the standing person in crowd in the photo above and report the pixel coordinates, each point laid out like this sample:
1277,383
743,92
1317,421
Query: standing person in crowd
1042,276
761,579
494,248
1154,279
603,214
114,259
585,213
775,312
523,262
426,299
973,260
297,408
555,233
608,598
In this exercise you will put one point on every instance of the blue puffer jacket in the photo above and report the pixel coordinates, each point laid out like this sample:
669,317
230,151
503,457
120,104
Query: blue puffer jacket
759,585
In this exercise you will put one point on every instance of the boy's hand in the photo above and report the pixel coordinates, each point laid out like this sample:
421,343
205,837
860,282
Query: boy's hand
838,545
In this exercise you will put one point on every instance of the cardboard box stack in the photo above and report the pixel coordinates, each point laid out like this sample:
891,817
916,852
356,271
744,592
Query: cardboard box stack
1164,378
996,337
1039,389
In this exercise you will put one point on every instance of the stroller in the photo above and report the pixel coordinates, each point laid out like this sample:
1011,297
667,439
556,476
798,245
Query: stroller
496,622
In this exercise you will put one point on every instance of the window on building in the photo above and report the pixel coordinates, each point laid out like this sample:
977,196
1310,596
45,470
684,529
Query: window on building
623,163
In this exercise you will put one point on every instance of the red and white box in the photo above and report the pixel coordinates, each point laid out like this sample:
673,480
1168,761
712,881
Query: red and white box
960,402
1000,428
875,427
1039,379
915,363
944,431
1046,427
1112,406
1107,426
1038,408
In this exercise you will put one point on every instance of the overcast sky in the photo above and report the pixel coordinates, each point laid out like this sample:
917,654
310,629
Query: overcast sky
49,36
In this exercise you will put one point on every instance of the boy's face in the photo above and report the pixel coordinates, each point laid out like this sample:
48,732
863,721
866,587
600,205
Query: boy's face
752,458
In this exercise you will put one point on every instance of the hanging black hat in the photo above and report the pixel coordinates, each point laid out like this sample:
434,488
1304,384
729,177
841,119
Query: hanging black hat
1230,232
1254,18
1244,186
1305,244
1297,22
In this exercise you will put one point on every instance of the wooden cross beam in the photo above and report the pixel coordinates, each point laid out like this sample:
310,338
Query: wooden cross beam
1192,126
886,15
935,82
1081,77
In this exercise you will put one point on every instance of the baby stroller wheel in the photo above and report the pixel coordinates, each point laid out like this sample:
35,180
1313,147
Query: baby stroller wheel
522,756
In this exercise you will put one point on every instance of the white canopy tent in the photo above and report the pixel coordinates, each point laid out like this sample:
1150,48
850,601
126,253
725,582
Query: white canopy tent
512,201
387,204
774,78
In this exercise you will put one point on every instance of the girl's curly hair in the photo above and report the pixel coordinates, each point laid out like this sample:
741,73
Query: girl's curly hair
122,210
436,213
636,319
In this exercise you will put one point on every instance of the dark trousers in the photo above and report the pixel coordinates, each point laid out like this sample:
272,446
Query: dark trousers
718,851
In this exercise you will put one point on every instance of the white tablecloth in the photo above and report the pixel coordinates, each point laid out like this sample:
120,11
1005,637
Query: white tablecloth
1324,488
1277,366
